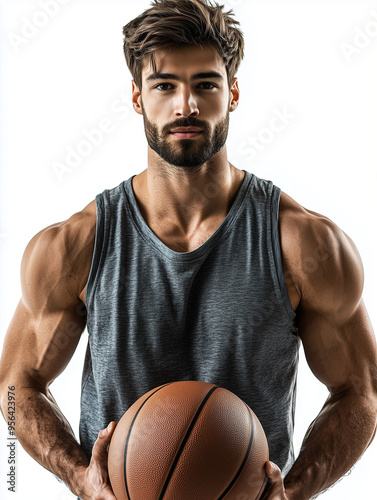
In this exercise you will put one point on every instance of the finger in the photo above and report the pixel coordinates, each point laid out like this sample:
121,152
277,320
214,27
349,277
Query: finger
99,451
108,432
275,485
273,472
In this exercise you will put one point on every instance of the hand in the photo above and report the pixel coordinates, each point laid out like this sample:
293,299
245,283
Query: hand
275,488
96,483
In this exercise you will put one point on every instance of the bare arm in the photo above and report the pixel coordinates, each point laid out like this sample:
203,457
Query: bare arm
346,424
41,340
340,348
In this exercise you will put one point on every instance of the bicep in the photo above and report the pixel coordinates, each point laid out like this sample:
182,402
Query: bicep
50,317
340,352
37,348
334,326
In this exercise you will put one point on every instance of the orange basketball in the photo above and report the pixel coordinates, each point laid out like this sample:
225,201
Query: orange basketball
188,441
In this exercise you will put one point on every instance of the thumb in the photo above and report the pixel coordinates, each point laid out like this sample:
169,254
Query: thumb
272,471
275,480
99,451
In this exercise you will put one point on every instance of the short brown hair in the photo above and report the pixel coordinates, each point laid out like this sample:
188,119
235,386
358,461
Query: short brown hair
177,23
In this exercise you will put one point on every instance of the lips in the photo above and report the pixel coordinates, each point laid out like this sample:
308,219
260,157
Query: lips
185,130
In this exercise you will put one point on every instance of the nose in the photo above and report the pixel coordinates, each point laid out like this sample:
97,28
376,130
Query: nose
185,104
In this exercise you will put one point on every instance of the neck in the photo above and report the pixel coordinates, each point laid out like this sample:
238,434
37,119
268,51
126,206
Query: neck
186,197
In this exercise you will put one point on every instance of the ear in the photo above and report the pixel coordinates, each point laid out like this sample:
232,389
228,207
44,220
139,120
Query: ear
136,98
234,95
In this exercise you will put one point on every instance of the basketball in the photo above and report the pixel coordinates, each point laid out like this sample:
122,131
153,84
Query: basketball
188,441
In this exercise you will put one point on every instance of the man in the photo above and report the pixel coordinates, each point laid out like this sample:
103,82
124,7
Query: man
193,269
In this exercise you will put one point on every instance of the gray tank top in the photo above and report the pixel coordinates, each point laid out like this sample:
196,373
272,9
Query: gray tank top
218,314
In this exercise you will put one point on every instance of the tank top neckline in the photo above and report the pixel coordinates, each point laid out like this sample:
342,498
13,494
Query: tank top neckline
146,232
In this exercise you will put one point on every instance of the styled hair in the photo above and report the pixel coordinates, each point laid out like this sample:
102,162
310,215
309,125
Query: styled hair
177,23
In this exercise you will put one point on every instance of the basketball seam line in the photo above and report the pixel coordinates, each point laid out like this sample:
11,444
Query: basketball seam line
129,433
244,460
260,492
188,432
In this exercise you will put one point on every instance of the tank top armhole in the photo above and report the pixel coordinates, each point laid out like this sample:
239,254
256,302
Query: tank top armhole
276,252
98,253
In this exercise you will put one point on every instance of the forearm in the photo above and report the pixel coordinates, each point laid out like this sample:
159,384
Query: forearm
46,435
333,443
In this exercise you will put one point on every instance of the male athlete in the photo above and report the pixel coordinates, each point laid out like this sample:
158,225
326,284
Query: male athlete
192,270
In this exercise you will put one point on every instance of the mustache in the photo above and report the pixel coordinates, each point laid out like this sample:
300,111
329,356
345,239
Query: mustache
190,121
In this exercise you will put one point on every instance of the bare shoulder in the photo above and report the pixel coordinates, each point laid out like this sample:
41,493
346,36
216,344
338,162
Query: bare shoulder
57,259
321,261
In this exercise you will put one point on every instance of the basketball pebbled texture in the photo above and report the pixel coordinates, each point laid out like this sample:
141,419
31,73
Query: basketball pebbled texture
188,441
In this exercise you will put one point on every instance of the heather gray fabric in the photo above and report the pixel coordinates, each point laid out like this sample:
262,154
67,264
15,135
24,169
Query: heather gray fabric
219,314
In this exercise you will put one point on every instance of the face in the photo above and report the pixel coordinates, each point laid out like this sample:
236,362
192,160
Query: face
186,104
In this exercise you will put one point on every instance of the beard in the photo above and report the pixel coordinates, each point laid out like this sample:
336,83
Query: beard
187,152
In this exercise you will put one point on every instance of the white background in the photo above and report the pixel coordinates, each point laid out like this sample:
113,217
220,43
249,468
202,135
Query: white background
70,74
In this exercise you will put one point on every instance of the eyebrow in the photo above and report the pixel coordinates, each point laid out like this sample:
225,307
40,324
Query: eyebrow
171,76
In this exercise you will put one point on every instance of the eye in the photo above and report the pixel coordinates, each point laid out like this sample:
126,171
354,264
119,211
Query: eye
207,85
164,86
